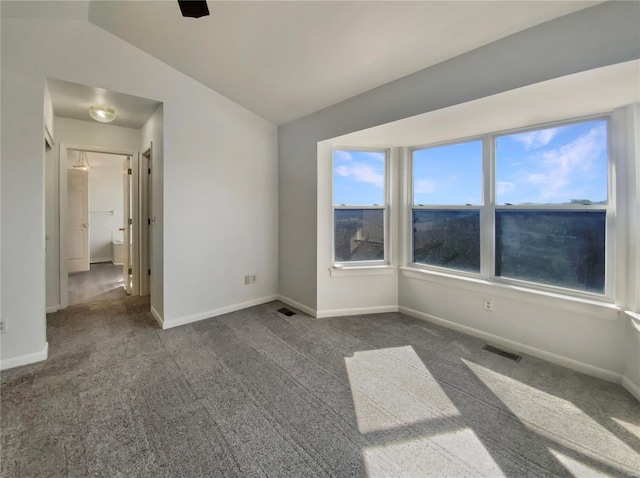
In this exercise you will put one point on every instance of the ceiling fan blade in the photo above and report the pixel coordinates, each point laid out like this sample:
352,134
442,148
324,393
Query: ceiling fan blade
193,8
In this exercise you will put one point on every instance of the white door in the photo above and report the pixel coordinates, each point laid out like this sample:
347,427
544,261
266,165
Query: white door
78,220
127,263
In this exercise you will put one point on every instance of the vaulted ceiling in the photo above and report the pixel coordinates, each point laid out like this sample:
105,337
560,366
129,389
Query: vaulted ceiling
284,60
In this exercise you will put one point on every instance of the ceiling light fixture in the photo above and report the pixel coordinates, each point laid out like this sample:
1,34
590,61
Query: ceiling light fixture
83,162
102,114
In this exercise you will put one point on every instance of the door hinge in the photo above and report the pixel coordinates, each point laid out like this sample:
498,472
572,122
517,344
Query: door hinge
130,271
149,271
129,171
149,170
149,221
130,222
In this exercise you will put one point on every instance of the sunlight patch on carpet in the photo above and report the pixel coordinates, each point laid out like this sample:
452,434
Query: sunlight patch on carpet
576,468
459,453
634,429
559,420
392,388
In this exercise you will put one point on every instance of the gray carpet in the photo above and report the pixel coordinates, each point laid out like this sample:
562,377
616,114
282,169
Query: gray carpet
256,393
103,281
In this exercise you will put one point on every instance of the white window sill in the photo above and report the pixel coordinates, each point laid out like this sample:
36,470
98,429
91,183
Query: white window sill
353,271
594,308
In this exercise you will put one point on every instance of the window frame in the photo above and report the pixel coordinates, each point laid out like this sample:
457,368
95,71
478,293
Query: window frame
442,207
385,207
489,207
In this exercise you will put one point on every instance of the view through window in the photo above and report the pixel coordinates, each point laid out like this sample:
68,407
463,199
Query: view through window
541,199
551,205
447,193
359,199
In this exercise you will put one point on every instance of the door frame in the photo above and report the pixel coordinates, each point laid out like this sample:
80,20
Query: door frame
146,214
63,219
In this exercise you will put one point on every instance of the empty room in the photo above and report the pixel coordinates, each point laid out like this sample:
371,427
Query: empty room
320,238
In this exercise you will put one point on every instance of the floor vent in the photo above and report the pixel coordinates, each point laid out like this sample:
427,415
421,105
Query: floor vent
287,312
504,353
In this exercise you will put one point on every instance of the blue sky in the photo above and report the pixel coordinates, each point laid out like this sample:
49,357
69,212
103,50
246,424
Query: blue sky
450,174
553,165
358,178
546,166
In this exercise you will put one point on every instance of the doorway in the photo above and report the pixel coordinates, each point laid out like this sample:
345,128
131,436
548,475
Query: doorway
100,239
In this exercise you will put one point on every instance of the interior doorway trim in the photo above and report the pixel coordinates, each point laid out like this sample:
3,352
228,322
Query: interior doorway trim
146,219
63,213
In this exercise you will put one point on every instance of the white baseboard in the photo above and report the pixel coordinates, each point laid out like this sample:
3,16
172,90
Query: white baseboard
52,309
518,347
307,310
157,316
380,309
25,359
168,324
631,387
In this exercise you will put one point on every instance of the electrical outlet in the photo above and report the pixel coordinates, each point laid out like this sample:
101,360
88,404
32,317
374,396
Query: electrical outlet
247,280
488,305
253,278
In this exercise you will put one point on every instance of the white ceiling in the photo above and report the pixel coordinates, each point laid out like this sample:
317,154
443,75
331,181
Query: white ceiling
284,60
71,100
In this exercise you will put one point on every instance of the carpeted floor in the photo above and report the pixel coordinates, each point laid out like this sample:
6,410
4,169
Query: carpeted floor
103,281
256,393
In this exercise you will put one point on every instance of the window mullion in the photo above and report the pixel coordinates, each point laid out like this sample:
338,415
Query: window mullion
487,213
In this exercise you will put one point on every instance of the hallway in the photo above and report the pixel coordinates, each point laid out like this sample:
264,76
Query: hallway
105,281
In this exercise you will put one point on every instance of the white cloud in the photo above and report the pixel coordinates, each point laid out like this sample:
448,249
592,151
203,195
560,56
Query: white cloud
504,187
342,171
424,186
536,139
362,173
342,155
563,165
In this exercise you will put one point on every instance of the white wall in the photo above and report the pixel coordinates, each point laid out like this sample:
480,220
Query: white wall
79,133
590,339
631,373
153,136
51,205
100,135
219,178
52,223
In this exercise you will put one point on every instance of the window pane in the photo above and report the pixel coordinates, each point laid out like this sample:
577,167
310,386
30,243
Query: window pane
562,165
447,239
358,178
359,234
450,174
561,248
